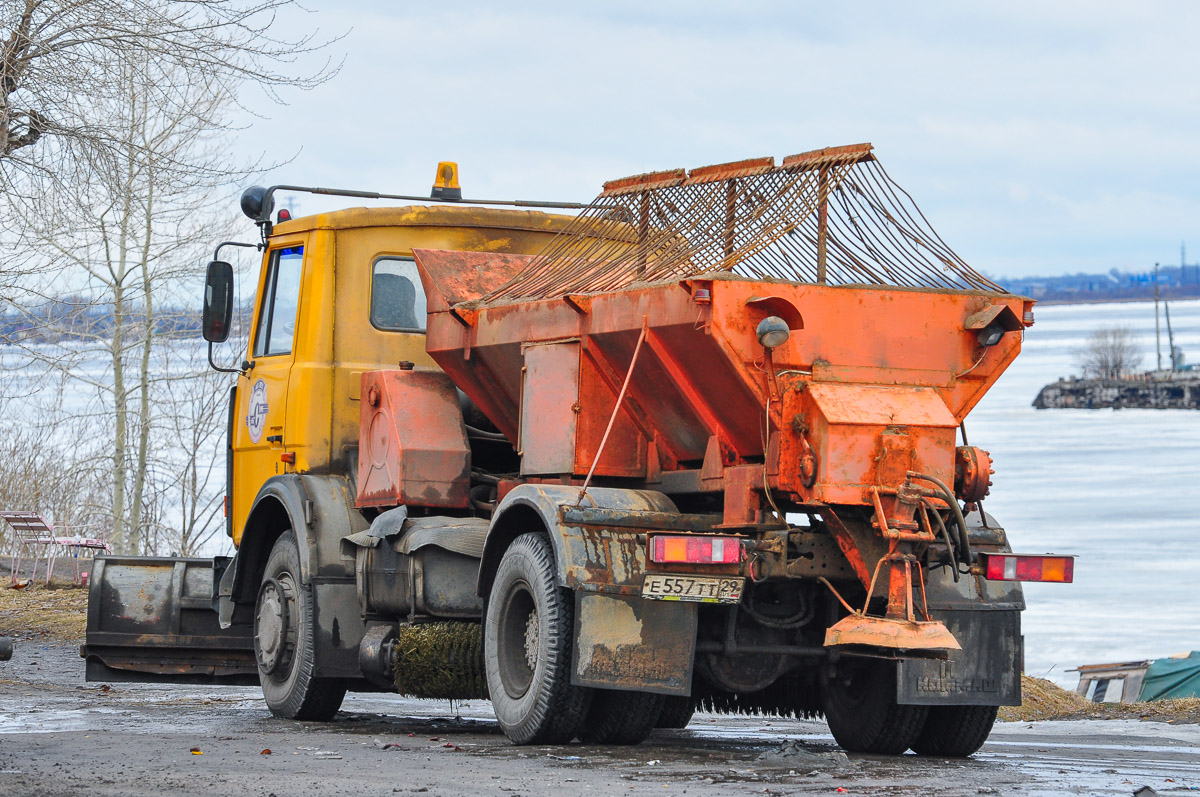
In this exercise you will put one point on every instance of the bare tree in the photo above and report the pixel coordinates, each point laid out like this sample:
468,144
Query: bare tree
64,79
114,120
134,233
1110,353
60,70
190,470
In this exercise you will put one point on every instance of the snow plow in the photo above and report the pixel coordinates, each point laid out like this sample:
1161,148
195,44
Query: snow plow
697,446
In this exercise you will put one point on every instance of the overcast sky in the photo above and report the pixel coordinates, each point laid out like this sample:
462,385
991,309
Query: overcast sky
1038,137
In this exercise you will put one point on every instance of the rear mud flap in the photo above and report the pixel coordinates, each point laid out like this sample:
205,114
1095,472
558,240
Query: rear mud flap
626,642
986,672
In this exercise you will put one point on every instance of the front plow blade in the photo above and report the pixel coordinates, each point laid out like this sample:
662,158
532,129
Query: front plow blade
151,619
894,634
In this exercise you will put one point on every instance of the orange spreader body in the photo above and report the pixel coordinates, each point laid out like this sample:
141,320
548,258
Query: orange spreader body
873,381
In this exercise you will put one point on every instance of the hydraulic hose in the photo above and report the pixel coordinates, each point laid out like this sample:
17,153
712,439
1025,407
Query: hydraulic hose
964,542
483,434
949,545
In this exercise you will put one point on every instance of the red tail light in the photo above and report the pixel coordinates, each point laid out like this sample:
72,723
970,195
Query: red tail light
695,549
1024,567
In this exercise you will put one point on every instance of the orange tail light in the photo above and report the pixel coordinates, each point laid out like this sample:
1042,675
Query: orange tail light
695,549
1024,567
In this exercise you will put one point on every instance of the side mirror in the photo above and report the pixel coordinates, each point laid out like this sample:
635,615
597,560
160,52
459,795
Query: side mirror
218,302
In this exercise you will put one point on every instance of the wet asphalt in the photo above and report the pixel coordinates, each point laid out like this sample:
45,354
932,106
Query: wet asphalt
60,735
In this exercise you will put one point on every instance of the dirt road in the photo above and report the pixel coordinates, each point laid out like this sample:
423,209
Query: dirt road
59,735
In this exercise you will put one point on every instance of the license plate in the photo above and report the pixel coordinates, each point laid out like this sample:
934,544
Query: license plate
700,589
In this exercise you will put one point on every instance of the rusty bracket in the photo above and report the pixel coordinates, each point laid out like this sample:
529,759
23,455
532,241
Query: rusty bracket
467,316
897,533
579,302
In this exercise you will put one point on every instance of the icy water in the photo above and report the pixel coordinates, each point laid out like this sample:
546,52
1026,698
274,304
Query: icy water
1118,488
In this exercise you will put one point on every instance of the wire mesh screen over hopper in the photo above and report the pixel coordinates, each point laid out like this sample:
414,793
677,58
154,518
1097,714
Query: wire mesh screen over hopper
830,216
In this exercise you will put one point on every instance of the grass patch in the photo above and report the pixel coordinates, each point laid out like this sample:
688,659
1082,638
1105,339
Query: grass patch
54,614
1042,700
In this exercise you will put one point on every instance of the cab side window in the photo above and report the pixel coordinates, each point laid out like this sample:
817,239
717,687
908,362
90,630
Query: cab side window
397,298
281,300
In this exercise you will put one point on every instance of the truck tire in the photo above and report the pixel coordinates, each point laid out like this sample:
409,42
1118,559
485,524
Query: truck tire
620,717
677,712
527,637
284,642
955,731
860,707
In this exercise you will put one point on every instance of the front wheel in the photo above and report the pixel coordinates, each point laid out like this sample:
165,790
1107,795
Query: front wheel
955,731
860,706
527,648
285,644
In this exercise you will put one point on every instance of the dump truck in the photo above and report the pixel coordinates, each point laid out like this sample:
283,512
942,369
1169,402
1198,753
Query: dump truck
699,445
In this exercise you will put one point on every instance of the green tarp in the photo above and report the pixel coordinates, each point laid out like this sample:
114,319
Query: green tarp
1168,678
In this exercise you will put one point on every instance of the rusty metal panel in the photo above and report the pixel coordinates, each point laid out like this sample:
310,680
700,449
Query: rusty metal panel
453,277
412,448
628,643
651,181
638,519
727,171
605,560
867,435
828,156
880,405
625,451
549,394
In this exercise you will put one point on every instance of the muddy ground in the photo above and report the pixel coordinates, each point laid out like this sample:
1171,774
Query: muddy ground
60,735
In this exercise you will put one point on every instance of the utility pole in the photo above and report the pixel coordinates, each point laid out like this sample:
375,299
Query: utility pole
1157,339
1170,336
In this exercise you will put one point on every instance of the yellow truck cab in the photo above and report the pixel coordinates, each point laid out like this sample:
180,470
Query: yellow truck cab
339,294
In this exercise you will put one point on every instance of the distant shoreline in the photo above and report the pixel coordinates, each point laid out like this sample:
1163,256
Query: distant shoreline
1117,300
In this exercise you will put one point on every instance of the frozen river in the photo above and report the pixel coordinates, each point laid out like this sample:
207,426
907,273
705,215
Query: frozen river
1118,488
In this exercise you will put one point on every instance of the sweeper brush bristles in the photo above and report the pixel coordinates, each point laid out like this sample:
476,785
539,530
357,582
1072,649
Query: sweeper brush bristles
440,660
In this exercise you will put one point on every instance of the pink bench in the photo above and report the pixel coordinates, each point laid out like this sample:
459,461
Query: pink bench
34,534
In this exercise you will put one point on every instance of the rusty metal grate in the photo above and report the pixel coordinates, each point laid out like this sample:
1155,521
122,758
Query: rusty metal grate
830,216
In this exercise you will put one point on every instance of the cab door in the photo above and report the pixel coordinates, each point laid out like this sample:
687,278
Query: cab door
260,436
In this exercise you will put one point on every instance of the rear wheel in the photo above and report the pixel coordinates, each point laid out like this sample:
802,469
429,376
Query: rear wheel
860,707
677,712
620,717
955,731
527,648
284,641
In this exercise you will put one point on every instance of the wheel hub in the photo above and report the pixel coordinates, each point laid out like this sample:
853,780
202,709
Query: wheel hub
273,634
518,640
531,640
